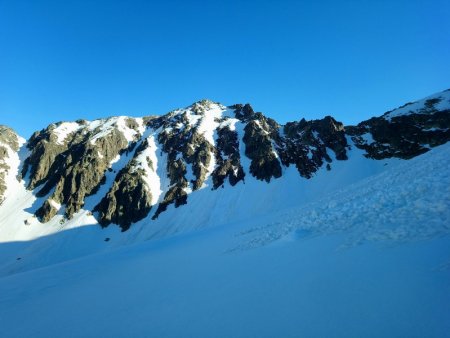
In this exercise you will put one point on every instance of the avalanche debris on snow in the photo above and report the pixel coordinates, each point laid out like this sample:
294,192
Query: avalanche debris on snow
407,203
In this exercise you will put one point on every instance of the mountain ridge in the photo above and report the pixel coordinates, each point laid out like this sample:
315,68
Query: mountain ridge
167,158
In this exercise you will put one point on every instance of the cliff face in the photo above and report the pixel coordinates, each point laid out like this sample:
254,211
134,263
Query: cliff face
142,166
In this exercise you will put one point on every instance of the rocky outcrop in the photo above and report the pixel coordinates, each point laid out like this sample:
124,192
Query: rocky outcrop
185,146
9,142
44,150
67,172
332,135
228,159
46,212
198,152
403,135
129,200
305,144
258,138
243,112
9,138
79,171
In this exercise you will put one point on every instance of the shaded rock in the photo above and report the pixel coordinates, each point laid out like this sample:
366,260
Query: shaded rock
243,112
305,144
228,159
176,195
198,152
332,134
258,147
127,202
46,212
403,136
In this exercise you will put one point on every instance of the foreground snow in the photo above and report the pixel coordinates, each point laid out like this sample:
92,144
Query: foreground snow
368,260
190,288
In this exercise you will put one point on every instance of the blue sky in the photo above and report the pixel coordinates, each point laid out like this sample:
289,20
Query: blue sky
64,60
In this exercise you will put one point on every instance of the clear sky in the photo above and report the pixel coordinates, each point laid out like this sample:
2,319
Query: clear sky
353,59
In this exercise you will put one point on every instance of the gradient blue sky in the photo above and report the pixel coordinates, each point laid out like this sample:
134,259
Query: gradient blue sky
64,60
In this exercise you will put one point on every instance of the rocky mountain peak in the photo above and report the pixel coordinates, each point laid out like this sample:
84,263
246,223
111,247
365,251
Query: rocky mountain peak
203,106
125,170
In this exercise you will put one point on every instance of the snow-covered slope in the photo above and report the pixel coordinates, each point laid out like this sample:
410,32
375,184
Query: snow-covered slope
371,259
217,221
93,186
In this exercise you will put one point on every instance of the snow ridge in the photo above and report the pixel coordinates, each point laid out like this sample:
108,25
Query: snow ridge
435,102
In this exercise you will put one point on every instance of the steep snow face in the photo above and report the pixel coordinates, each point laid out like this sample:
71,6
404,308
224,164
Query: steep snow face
370,260
207,119
64,129
147,161
128,126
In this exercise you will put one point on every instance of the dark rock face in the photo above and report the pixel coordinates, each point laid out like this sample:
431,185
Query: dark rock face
259,133
46,212
332,135
305,144
403,136
228,159
243,112
127,202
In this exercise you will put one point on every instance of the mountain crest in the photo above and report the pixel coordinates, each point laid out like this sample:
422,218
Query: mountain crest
125,169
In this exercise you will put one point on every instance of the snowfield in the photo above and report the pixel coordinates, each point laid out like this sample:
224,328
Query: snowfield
368,256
